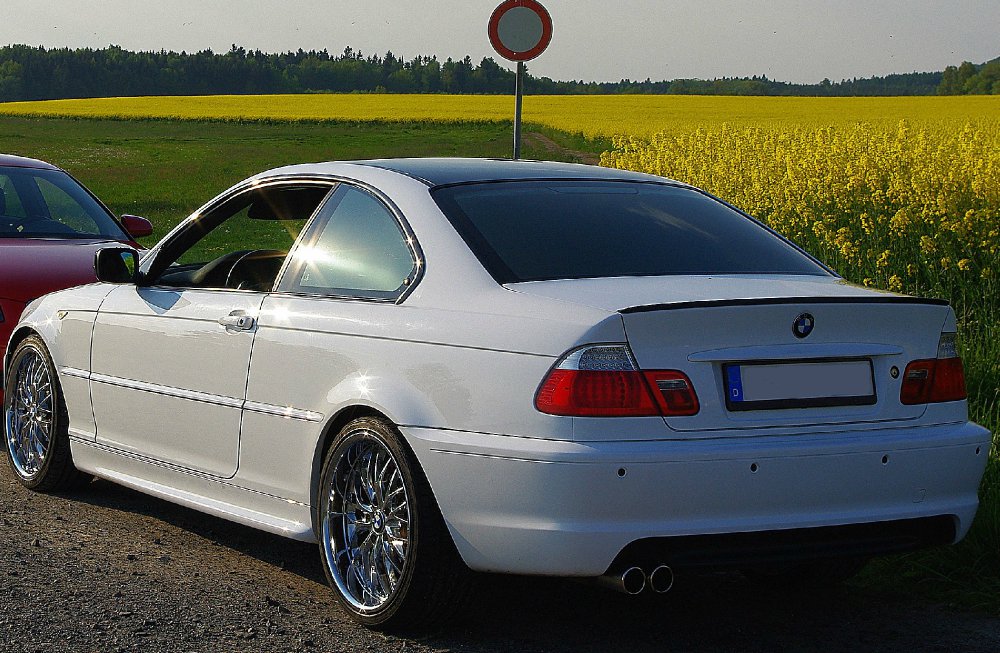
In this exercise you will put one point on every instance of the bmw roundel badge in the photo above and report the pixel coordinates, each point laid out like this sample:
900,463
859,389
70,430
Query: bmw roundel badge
803,325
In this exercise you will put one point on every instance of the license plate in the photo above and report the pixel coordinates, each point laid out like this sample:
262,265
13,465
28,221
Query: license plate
800,384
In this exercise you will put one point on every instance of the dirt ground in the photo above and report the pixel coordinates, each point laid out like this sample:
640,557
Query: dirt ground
558,151
109,569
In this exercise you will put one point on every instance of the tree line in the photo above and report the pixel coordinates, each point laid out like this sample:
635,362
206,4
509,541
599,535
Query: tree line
37,73
970,79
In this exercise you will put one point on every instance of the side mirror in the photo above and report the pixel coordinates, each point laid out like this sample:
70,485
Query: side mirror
117,265
137,227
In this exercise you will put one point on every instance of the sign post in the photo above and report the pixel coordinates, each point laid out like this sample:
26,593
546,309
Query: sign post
520,30
518,94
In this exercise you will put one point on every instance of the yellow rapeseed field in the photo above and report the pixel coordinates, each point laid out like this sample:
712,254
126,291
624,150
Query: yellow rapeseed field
593,116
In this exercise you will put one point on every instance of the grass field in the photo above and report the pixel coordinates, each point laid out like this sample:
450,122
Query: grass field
910,205
165,170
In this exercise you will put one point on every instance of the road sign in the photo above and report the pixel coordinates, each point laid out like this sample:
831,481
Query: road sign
520,30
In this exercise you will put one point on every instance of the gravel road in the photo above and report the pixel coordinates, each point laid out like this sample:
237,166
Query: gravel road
109,569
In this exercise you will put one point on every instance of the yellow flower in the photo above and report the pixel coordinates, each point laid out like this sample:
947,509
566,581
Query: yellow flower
867,224
965,264
927,245
899,222
895,283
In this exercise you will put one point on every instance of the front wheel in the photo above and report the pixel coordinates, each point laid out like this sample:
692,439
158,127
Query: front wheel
385,548
36,424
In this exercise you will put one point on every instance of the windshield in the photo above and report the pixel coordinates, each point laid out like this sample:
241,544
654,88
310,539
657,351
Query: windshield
50,204
541,230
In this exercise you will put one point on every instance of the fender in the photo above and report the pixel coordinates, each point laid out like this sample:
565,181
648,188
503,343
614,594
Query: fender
64,320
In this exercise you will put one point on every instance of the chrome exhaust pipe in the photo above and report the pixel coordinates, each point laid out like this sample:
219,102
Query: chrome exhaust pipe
631,581
661,579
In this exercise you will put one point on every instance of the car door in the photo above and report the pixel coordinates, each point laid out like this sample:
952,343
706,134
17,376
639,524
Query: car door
170,356
335,303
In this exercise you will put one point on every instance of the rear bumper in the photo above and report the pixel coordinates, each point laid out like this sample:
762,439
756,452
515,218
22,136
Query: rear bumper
520,505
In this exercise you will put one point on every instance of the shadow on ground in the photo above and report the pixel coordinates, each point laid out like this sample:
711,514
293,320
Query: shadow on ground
291,556
705,612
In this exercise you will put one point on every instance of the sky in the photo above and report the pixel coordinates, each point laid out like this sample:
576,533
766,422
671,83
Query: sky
594,40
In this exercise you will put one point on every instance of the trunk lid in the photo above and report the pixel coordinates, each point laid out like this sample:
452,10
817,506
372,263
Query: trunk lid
737,333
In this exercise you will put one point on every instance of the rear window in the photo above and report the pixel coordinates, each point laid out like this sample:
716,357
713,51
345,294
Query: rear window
540,230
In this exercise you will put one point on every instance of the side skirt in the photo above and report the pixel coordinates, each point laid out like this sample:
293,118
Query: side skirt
200,492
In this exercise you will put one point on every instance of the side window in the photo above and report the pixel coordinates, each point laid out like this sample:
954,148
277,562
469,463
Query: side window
64,209
356,248
240,244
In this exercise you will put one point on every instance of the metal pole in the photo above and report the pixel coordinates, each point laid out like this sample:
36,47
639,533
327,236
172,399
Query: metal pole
518,91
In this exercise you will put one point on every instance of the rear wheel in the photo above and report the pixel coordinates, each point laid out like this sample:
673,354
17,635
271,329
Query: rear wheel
385,548
36,422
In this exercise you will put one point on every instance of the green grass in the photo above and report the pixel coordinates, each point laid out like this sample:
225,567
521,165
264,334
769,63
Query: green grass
165,170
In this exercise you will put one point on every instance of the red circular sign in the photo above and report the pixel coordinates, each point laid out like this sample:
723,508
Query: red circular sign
520,30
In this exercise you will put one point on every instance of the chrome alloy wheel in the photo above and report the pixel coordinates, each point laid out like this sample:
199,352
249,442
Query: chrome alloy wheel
366,529
29,413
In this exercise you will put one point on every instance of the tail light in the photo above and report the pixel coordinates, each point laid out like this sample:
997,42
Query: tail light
604,381
932,380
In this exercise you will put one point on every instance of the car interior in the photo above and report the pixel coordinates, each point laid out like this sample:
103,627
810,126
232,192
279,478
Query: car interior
271,218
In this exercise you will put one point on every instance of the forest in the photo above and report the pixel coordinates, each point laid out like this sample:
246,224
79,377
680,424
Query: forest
38,73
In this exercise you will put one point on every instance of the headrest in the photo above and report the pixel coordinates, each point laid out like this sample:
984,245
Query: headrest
3,202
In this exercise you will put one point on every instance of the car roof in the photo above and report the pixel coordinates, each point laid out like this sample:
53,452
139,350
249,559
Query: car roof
11,161
442,171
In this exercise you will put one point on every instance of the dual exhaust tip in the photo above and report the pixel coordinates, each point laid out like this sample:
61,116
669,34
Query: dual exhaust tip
634,580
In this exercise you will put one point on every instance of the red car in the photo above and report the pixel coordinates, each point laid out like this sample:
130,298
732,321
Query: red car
50,229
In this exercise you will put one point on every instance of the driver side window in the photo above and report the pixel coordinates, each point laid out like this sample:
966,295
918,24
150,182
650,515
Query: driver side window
240,244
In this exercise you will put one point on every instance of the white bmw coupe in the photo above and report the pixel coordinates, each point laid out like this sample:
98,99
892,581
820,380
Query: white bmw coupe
435,365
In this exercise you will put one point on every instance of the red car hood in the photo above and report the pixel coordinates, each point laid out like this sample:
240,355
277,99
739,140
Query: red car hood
29,268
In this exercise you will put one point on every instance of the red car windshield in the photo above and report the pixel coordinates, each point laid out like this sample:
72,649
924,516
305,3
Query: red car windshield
38,203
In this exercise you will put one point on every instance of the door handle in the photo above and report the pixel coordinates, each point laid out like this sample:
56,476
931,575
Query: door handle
237,321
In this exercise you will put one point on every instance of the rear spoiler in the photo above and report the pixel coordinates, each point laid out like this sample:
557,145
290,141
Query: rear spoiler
770,301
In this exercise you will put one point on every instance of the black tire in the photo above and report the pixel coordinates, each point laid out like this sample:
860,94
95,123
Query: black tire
433,580
55,471
804,575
